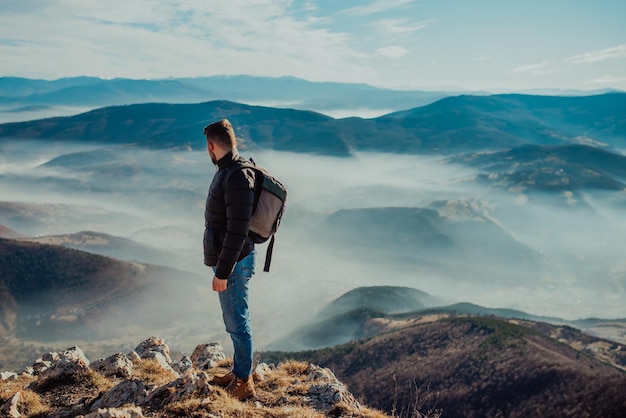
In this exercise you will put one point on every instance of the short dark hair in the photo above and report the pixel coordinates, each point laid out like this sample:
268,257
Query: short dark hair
221,131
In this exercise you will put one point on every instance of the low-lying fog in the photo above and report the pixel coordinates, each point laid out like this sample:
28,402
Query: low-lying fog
32,112
475,243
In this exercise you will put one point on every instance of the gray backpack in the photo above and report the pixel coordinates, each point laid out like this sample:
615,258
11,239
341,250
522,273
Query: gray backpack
270,197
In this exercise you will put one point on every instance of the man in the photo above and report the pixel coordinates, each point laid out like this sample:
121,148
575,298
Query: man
230,251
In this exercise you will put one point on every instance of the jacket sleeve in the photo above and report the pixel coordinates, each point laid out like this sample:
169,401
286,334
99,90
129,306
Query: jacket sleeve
239,203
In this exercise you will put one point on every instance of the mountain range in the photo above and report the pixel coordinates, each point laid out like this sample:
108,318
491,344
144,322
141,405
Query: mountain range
451,125
21,94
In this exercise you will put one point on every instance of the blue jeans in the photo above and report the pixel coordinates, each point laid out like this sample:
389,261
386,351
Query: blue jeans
234,302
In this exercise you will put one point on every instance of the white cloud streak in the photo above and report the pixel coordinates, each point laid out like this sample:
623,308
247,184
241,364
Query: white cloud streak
400,27
608,79
535,69
614,52
379,6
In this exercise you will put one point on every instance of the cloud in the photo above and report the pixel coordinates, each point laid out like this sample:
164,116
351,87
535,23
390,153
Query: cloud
618,51
607,79
393,51
152,39
379,6
536,69
400,27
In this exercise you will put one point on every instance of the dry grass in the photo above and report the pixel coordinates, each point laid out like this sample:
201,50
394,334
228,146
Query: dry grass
281,394
285,385
9,387
344,410
150,372
293,367
101,382
32,404
220,404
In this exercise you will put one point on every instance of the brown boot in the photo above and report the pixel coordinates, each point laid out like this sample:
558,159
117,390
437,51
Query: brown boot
241,389
224,380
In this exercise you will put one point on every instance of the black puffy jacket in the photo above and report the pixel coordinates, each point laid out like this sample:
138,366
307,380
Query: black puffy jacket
227,216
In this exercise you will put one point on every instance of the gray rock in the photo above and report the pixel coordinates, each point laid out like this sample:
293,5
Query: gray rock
327,389
39,366
70,361
8,376
116,365
51,357
183,365
128,412
261,371
324,395
134,357
316,373
154,344
206,356
132,392
192,384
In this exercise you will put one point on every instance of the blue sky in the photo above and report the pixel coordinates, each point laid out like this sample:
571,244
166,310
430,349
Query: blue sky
419,44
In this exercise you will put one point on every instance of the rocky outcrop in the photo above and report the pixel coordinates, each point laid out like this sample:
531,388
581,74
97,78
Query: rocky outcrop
67,384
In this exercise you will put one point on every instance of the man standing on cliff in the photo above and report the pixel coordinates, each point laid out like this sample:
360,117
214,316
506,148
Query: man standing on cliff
230,251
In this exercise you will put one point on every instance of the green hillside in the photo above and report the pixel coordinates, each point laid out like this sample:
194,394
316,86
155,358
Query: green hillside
471,366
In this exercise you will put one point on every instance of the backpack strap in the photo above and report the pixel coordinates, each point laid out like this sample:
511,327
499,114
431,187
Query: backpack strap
245,164
268,254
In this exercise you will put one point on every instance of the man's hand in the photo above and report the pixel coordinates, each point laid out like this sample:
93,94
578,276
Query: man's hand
219,285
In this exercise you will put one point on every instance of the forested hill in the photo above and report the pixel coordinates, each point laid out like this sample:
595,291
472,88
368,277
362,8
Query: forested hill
454,124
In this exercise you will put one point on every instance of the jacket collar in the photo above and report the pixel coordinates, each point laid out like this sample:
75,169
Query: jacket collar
228,159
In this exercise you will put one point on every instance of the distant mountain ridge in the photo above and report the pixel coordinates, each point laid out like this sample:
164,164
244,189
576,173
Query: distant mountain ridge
18,92
20,87
451,125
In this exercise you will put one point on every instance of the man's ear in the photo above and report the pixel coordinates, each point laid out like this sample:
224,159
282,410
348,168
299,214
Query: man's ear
211,145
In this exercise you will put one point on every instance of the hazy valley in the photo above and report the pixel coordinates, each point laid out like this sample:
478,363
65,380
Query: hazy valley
507,206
